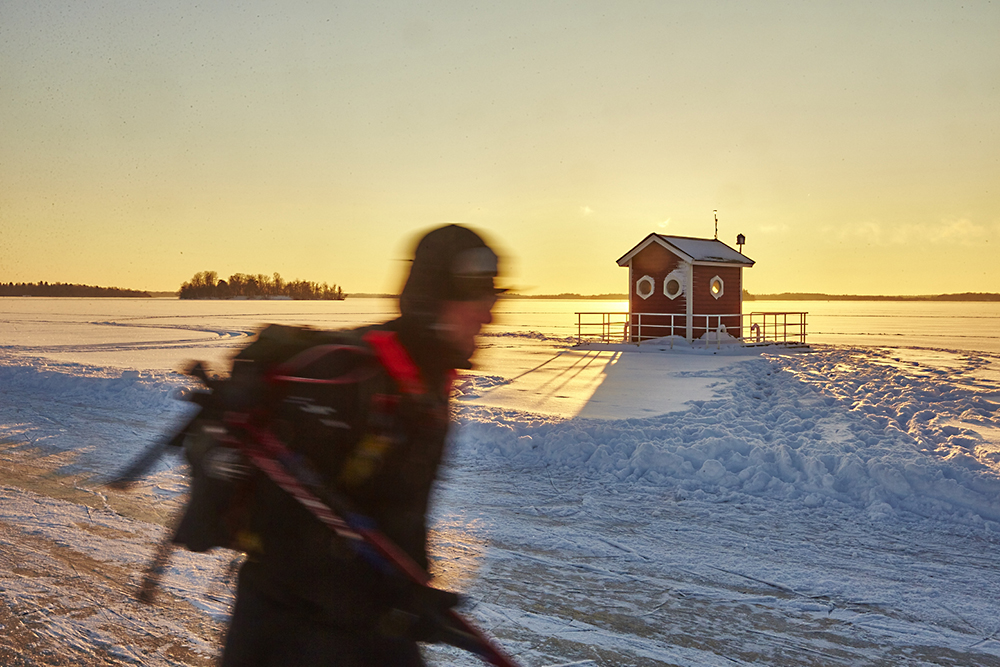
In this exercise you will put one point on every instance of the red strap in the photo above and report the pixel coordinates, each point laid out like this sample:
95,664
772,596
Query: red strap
396,361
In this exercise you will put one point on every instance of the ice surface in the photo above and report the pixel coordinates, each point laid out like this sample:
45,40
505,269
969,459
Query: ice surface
629,506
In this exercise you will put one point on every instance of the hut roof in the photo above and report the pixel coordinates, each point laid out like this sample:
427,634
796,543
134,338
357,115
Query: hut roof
691,249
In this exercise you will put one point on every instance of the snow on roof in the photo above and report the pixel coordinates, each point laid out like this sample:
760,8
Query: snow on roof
694,250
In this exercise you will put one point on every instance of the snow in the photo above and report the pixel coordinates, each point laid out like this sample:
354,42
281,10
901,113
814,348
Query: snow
699,250
693,505
594,381
706,250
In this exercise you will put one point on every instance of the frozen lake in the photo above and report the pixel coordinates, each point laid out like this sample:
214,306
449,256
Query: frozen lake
974,327
161,333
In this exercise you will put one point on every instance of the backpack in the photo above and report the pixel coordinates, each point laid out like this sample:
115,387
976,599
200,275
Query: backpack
314,390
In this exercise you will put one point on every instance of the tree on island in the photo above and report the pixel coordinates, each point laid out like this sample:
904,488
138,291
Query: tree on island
43,288
206,285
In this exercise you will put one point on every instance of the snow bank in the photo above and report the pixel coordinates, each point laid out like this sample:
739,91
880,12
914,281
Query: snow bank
842,425
104,416
710,343
529,335
839,426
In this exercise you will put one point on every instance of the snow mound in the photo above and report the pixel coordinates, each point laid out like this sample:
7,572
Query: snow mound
839,426
529,335
105,416
710,343
468,387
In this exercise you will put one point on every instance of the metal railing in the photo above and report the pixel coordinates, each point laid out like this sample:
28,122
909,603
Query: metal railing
747,328
610,328
775,327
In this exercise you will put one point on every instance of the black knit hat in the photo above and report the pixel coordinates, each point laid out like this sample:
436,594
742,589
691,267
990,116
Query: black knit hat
451,263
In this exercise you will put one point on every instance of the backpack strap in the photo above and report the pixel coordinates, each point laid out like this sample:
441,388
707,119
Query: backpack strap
396,361
290,371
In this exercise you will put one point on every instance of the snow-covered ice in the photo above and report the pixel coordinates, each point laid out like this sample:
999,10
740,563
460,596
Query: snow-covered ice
622,505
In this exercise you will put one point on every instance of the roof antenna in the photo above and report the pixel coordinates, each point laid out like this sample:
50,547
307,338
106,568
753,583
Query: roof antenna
716,212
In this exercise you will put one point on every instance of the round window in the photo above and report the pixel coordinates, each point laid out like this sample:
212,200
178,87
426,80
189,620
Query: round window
716,286
644,287
672,286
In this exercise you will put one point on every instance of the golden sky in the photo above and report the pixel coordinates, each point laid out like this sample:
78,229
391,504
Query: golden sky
855,144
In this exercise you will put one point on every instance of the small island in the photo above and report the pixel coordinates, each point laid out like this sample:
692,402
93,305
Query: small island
206,285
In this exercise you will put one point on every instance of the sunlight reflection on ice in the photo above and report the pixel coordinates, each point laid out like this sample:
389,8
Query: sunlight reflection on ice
599,384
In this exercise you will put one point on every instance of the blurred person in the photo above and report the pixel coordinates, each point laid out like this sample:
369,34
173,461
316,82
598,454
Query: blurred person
302,598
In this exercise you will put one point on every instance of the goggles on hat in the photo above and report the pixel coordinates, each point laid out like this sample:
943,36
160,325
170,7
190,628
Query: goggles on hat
472,273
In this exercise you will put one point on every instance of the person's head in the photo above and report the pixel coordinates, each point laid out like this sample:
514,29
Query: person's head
450,291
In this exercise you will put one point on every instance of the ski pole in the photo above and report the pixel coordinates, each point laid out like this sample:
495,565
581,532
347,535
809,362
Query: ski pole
148,458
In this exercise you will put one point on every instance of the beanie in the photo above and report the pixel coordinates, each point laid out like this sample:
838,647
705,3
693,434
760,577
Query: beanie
451,263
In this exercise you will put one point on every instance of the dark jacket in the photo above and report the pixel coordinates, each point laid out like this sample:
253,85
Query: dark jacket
383,460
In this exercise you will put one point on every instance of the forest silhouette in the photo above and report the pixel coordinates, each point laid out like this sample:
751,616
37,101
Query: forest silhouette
206,285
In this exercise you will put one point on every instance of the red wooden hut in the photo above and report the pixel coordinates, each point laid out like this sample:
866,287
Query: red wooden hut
682,286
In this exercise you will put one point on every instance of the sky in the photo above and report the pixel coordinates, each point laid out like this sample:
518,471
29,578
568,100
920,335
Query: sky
856,145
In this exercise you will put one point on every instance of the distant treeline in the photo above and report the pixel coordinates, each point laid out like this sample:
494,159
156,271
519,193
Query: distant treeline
65,289
566,295
809,296
206,285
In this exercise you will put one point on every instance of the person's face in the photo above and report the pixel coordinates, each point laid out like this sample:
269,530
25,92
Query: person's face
461,321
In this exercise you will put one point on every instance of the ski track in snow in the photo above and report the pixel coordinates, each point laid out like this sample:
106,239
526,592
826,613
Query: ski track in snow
834,508
210,336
